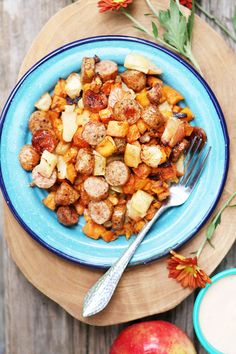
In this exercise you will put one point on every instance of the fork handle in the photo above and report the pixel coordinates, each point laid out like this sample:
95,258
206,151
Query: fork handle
101,292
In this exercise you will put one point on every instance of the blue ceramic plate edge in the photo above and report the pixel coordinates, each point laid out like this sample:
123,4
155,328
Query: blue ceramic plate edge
168,52
202,339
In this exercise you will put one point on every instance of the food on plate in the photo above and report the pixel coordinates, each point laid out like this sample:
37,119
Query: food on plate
152,337
107,145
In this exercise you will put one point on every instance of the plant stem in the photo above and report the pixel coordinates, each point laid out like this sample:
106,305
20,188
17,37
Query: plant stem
225,205
217,22
152,8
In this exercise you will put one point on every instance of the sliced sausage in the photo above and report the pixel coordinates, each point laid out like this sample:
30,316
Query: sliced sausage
43,182
44,139
153,117
199,133
179,150
28,157
96,188
94,102
117,173
39,120
66,195
120,145
94,132
127,109
85,161
67,215
155,93
87,70
118,216
107,70
134,79
100,212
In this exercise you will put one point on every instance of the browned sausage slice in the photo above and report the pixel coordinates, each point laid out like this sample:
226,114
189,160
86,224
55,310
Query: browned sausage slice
94,102
118,217
100,212
153,117
96,188
87,70
66,195
134,79
179,149
127,109
67,215
39,120
43,182
117,173
28,157
199,133
155,93
94,132
85,161
44,139
107,70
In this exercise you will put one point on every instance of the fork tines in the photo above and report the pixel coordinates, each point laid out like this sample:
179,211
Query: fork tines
194,163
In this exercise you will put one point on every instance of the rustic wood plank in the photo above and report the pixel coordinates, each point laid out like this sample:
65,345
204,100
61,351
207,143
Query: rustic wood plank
44,327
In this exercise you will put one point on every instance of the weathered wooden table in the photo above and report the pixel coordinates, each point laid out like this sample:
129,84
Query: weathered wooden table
30,323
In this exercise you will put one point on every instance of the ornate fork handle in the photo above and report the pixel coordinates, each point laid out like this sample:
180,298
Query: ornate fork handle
100,294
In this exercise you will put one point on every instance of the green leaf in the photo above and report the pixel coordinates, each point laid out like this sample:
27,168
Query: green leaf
154,30
234,19
175,25
190,23
210,230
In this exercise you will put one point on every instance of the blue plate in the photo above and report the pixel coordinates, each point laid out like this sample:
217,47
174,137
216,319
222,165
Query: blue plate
177,225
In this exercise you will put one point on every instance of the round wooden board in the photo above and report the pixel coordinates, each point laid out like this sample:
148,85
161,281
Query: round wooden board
143,290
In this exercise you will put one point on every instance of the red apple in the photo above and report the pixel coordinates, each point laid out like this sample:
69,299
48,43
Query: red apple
154,337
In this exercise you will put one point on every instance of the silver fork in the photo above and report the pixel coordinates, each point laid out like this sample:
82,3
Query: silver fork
101,292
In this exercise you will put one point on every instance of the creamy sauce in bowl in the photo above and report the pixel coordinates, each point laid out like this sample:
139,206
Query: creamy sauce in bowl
217,315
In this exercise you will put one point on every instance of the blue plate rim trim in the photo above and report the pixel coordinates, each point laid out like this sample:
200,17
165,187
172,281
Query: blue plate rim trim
168,52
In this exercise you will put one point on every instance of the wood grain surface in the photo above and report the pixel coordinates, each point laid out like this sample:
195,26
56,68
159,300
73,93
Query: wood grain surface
44,327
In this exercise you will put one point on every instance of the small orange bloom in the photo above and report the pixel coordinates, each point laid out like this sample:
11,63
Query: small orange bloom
106,5
187,3
186,271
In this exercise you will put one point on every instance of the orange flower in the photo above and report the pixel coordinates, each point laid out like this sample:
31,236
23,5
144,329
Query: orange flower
186,271
106,5
187,3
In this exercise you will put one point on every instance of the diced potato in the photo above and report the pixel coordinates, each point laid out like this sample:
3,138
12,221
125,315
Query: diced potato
78,141
133,133
59,89
44,103
153,155
129,90
69,125
71,154
79,207
142,126
165,107
47,164
80,103
73,85
83,118
142,98
61,168
170,130
99,164
69,108
93,230
138,62
113,199
172,95
117,129
71,172
117,189
49,201
190,115
62,148
180,166
105,115
58,103
107,147
153,80
139,204
132,155
56,123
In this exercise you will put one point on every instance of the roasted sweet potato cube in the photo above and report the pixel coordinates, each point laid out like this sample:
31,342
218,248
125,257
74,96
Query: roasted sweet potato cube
49,201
